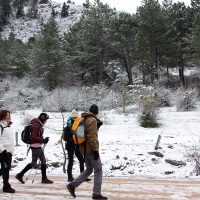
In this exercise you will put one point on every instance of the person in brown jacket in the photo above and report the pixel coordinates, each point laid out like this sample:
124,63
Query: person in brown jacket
90,149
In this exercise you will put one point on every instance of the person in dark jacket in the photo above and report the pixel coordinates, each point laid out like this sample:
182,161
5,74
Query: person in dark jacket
37,140
72,148
6,149
91,151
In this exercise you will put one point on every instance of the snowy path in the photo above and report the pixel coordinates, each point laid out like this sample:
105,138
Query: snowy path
114,188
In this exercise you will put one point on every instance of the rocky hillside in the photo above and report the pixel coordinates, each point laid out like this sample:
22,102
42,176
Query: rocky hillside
28,26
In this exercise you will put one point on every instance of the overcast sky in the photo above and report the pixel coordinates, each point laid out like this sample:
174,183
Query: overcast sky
125,5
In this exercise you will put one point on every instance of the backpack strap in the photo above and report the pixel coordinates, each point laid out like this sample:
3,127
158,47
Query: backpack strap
85,133
2,128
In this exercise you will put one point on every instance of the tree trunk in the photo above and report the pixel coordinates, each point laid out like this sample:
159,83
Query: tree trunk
167,76
181,72
156,65
128,69
101,65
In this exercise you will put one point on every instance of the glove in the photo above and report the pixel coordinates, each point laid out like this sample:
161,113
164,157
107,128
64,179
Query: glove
96,155
46,140
99,123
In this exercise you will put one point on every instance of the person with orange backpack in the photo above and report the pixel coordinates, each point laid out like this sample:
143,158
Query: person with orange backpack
71,147
90,149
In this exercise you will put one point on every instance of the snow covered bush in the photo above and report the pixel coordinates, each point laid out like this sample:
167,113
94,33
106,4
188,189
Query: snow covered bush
61,100
163,95
194,156
148,111
17,95
185,100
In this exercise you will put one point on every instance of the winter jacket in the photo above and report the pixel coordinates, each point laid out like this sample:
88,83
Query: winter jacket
6,138
68,135
36,133
92,142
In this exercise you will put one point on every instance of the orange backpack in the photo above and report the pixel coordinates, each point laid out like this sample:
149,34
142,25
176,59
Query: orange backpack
78,129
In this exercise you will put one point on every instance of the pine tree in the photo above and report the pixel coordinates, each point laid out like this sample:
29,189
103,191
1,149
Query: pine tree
20,12
65,11
150,37
5,11
33,11
195,39
123,37
177,36
53,13
47,56
88,42
195,6
3,58
18,62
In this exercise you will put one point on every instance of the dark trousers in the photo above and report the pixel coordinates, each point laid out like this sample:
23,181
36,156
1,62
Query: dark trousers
37,153
5,168
71,150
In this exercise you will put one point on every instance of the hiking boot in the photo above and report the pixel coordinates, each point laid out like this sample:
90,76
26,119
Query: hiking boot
8,190
98,196
88,179
70,178
19,178
46,181
71,190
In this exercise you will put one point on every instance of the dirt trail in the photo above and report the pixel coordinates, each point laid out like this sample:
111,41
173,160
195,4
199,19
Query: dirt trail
113,188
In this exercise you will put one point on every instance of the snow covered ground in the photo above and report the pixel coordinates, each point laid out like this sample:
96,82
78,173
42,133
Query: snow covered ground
121,188
124,145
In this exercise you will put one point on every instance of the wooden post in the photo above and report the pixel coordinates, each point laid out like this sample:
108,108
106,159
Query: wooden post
16,139
158,142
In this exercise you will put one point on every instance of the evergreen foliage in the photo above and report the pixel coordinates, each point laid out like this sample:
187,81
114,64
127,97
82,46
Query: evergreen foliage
104,44
48,61
65,10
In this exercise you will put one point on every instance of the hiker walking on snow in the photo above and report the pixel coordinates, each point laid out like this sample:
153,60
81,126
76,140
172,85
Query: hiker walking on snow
37,140
6,149
72,148
90,149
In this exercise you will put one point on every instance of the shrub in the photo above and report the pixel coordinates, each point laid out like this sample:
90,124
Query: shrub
148,107
194,156
185,100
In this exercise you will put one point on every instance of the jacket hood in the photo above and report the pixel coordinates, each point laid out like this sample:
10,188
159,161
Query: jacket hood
88,114
36,121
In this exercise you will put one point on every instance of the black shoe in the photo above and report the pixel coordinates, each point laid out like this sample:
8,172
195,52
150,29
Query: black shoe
46,181
88,179
71,190
8,190
98,196
70,178
19,178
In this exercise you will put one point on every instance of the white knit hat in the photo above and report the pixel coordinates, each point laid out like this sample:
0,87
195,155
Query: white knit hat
74,113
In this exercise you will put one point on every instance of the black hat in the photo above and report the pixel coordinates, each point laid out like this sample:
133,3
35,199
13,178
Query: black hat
43,117
94,109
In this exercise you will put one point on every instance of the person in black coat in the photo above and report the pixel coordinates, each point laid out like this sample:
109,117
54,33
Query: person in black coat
72,148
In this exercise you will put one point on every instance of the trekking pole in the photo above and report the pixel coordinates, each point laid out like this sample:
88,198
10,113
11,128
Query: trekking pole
38,166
